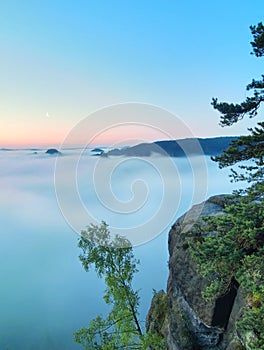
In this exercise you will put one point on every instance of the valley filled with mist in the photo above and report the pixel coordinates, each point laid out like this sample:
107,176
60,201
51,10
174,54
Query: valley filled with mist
46,295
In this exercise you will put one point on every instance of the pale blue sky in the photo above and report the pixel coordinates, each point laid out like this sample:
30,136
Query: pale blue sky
61,60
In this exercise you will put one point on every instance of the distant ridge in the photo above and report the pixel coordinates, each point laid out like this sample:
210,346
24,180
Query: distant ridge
176,148
19,149
53,151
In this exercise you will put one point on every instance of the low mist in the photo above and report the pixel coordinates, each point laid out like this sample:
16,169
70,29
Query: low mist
45,294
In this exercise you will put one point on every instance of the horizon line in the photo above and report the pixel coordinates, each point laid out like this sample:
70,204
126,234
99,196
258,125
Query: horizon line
43,146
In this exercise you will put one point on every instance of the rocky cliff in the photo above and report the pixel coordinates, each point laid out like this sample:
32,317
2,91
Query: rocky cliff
182,316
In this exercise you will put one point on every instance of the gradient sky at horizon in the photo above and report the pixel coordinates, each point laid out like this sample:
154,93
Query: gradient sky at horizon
61,61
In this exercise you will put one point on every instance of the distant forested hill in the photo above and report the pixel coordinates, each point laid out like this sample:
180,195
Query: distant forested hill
175,148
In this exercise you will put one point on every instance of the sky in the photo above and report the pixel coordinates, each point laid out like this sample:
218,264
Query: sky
63,61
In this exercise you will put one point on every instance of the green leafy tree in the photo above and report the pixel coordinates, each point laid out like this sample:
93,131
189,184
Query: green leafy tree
113,259
231,247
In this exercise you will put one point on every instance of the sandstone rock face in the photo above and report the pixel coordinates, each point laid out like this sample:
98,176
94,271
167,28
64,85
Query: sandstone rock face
191,323
156,321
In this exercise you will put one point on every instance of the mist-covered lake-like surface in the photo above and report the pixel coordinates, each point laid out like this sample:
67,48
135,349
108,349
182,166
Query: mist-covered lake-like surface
45,294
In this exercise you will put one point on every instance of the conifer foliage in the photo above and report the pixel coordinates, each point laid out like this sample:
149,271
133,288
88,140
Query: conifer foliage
232,245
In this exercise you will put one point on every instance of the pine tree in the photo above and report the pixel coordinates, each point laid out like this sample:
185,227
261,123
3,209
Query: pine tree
236,249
